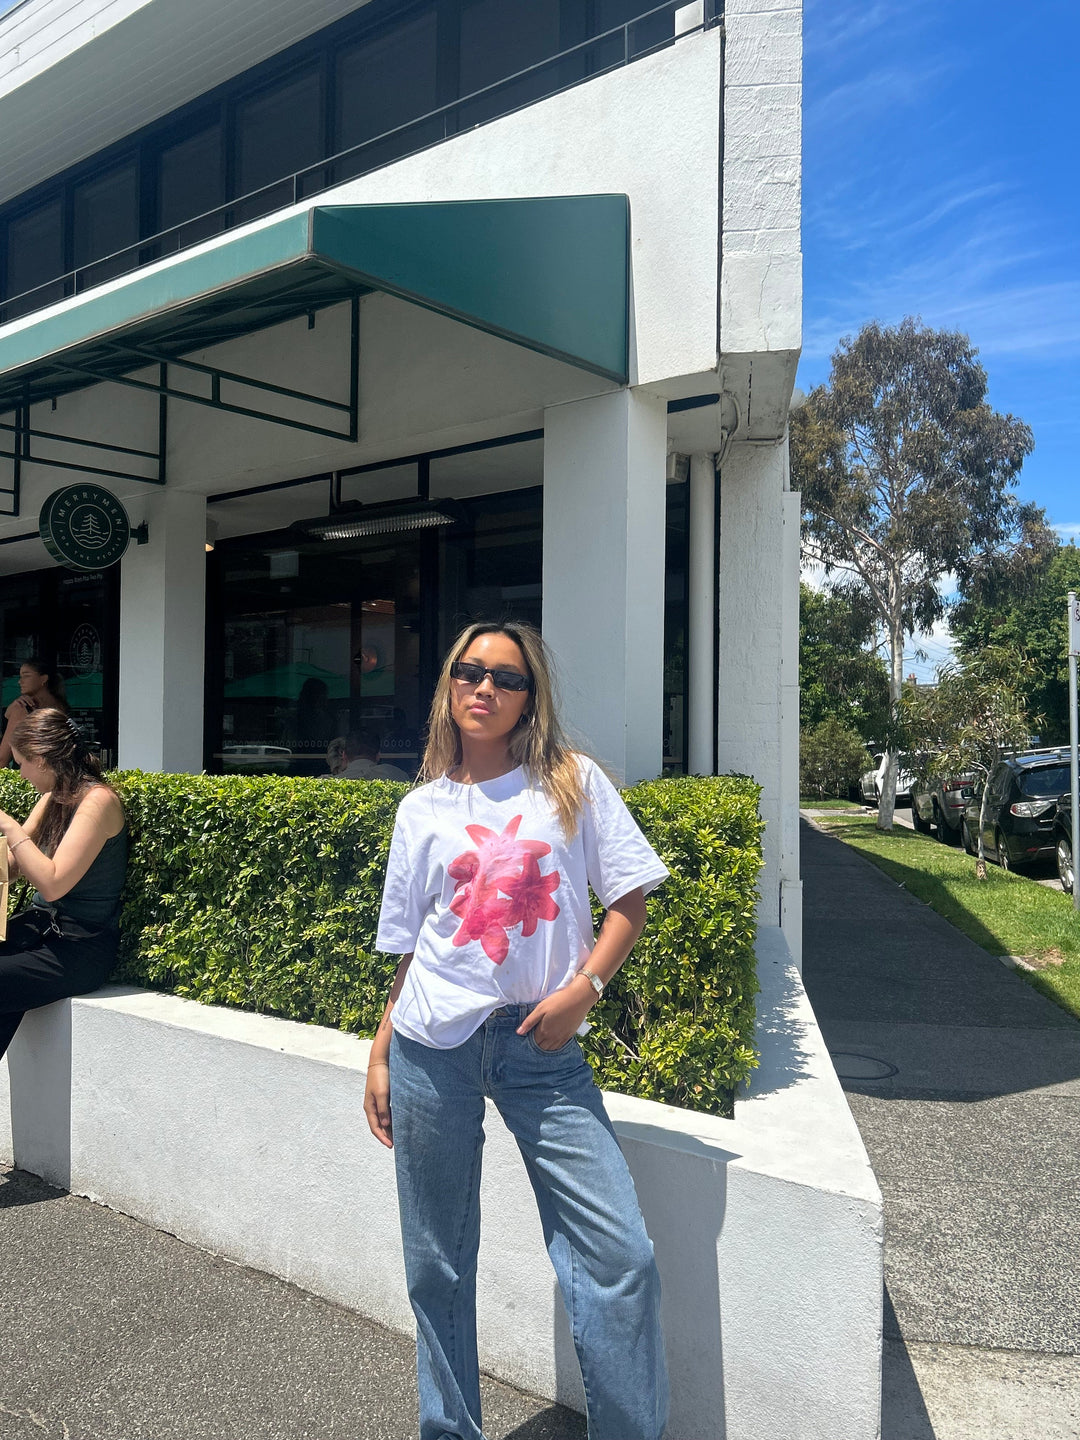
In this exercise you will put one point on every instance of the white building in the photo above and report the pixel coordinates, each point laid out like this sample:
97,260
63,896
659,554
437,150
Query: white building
523,276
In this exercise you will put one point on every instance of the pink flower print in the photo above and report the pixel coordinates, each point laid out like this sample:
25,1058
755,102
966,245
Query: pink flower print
485,920
500,863
493,850
530,897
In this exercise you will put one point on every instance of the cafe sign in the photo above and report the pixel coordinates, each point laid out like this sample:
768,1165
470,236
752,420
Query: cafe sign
84,527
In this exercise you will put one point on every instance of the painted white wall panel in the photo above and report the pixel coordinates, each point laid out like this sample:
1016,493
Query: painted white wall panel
767,1227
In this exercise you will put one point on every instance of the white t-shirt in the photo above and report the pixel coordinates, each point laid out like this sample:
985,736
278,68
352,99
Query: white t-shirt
493,902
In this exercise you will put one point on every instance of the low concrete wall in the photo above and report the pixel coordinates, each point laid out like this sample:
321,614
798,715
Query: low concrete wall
245,1135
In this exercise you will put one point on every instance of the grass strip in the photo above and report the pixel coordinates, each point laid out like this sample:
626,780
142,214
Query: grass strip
808,802
1007,914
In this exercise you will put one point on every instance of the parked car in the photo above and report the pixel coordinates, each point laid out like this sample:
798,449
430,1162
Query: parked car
870,782
1063,843
255,757
939,805
1021,807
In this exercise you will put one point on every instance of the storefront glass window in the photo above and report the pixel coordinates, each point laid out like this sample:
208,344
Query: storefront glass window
319,638
70,623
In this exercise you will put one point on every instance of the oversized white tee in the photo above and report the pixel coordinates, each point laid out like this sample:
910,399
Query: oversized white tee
484,889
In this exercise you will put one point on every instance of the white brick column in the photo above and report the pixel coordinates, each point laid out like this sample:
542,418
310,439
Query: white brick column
604,526
758,730
162,636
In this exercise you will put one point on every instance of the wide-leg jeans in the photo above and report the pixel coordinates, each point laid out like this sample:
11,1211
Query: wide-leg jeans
593,1229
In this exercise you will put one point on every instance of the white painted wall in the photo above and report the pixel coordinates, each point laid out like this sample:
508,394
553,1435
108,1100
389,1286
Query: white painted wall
761,277
603,580
244,1135
758,679
163,636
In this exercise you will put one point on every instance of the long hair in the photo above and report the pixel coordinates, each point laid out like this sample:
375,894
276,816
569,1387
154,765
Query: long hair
55,740
56,687
538,744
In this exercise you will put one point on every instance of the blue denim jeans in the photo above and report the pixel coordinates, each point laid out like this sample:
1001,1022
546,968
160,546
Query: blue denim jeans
593,1228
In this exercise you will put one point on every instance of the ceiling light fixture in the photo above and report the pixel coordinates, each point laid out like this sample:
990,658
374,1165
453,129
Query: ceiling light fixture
386,518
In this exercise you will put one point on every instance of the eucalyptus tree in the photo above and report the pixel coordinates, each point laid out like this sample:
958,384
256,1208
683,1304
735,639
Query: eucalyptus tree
906,475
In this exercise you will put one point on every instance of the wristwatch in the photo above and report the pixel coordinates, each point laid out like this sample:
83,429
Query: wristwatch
593,979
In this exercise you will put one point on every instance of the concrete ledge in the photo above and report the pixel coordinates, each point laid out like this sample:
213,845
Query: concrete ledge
244,1135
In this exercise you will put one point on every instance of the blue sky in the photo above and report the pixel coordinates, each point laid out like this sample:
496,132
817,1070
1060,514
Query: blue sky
942,179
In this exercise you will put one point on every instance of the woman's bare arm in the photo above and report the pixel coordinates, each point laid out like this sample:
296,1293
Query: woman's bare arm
377,1088
97,818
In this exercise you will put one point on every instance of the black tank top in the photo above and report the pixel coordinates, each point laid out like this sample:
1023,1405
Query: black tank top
94,901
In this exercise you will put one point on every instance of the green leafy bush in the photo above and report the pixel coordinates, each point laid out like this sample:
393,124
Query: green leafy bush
832,756
264,893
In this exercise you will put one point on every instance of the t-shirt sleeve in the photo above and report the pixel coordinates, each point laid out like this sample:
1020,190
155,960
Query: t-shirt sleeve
403,902
618,858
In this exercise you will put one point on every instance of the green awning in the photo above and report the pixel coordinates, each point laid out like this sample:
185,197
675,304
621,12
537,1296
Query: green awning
550,274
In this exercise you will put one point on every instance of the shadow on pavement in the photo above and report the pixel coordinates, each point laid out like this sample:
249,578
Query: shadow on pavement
553,1424
903,1411
19,1187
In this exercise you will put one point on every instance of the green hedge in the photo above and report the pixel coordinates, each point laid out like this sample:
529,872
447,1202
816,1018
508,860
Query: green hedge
264,893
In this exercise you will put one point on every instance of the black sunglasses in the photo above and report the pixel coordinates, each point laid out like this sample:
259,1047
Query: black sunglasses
501,679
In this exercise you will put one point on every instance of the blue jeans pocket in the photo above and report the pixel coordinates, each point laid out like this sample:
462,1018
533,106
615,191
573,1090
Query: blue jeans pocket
539,1049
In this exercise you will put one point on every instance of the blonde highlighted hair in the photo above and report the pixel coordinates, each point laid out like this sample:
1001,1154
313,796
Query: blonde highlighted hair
538,743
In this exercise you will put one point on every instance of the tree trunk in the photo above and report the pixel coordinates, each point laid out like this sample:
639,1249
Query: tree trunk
896,683
980,863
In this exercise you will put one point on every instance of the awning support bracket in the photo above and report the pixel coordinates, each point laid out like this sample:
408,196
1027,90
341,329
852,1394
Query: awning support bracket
141,356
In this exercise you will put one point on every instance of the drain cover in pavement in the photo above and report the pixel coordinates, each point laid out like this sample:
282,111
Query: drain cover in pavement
861,1067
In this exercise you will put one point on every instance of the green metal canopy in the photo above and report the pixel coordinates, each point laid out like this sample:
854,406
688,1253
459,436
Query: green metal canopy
550,274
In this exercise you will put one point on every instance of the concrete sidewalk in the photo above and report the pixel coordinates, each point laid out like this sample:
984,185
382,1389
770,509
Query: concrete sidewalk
965,1084
110,1330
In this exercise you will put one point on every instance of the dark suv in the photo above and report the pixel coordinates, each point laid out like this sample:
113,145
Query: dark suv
1064,844
1021,806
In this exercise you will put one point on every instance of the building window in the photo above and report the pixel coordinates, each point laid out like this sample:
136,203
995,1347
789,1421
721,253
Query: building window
371,74
279,130
105,212
35,256
497,39
191,182
384,82
72,624
311,638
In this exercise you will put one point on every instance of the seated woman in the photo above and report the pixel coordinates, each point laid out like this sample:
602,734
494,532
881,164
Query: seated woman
73,850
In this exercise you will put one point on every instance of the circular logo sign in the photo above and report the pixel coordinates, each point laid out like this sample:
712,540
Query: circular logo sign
85,652
84,527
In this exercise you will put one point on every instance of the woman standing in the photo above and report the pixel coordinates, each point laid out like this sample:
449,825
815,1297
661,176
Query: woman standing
73,850
39,689
487,900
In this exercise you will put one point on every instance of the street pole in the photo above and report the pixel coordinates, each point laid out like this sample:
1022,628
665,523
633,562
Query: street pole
1074,769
